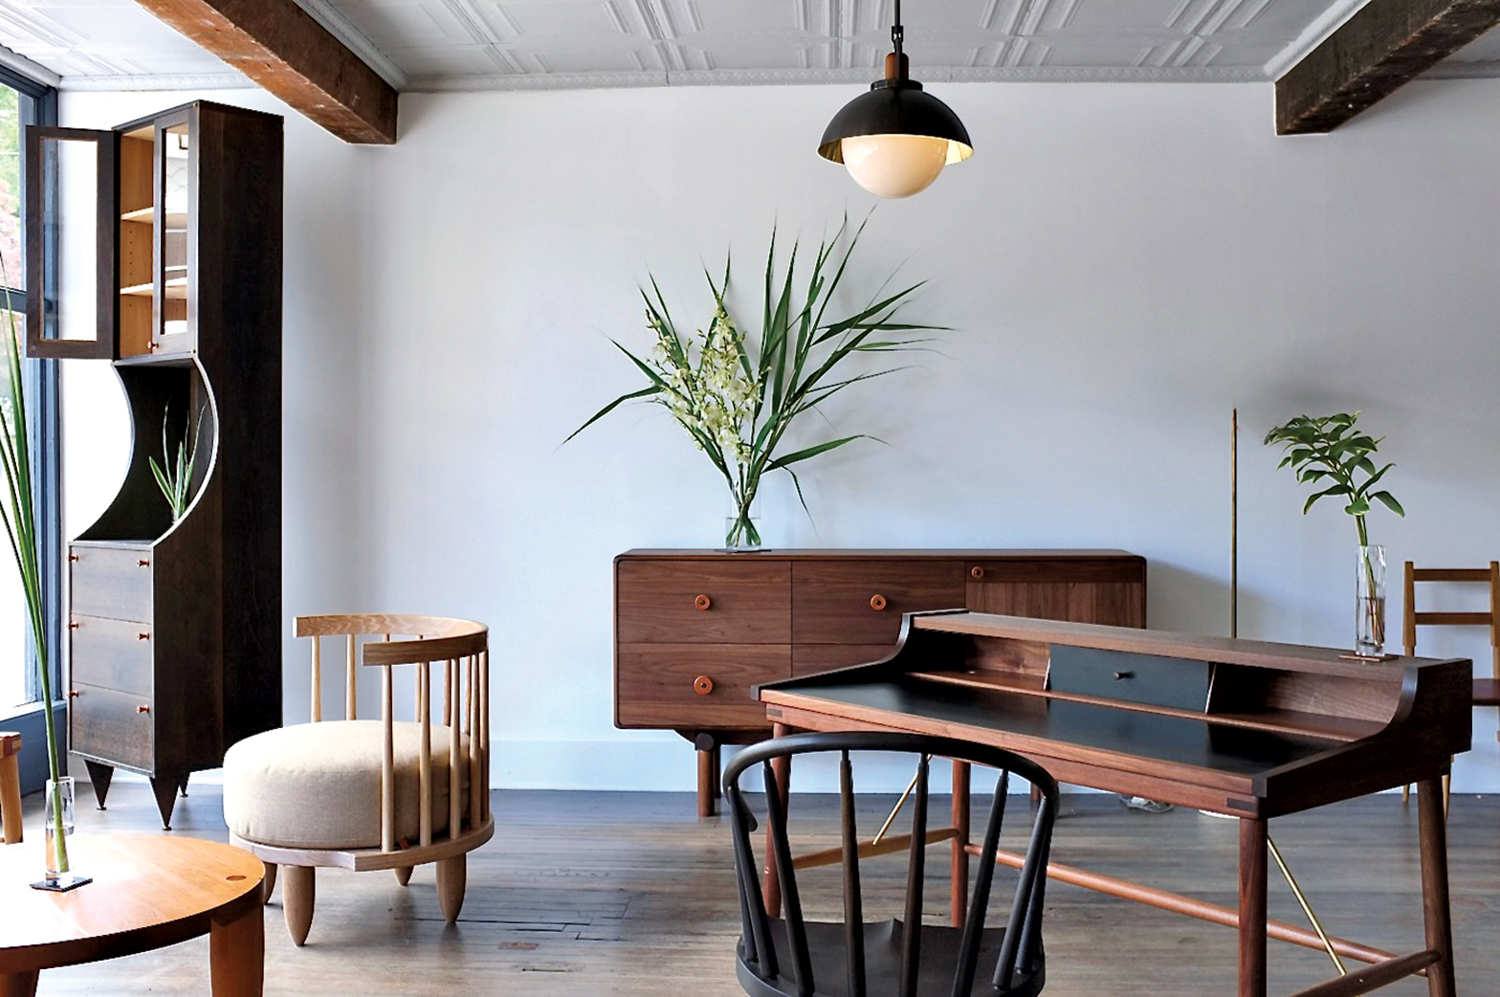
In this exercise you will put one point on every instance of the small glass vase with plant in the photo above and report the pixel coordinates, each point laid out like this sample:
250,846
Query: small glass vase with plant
738,396
18,513
1330,452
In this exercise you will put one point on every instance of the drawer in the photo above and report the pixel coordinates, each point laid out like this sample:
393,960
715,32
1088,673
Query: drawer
111,582
703,601
810,659
1149,679
115,726
861,601
111,654
658,685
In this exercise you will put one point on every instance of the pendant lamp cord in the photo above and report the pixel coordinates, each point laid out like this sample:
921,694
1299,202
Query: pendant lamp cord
897,31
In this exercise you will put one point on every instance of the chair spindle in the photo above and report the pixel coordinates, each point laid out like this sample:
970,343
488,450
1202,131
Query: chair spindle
911,938
854,912
1005,965
388,763
475,765
760,923
455,761
317,681
424,761
968,952
349,681
796,929
484,726
1031,926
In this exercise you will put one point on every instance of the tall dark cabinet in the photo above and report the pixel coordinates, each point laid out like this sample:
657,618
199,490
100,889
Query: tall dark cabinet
157,246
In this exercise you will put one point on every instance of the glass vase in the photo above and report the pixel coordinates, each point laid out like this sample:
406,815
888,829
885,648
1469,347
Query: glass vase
1369,602
58,813
742,526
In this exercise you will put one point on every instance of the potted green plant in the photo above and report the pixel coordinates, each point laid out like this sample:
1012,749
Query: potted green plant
1328,451
176,478
18,514
737,397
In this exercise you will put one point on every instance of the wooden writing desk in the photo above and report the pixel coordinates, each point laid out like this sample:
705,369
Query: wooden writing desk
1246,729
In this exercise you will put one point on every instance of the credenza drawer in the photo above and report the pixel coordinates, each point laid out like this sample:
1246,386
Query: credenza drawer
117,726
716,602
112,582
695,685
112,654
861,602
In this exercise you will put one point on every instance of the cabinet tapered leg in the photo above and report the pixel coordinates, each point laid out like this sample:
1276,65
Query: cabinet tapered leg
708,780
165,789
1252,907
99,777
1432,825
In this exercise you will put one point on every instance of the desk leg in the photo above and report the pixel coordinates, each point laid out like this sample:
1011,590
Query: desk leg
1431,821
1252,926
237,954
959,889
782,767
18,984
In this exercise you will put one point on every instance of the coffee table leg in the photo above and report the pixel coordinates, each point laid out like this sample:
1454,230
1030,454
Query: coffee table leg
237,955
18,984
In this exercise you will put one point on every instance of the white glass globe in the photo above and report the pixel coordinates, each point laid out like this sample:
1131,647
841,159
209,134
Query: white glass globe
894,165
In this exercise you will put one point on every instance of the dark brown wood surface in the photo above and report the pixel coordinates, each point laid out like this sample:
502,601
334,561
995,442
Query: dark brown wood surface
809,659
861,602
657,682
1385,45
109,726
112,654
279,46
109,580
723,601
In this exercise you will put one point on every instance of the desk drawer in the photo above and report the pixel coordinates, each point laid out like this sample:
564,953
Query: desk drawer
116,726
111,582
661,685
861,602
111,654
703,601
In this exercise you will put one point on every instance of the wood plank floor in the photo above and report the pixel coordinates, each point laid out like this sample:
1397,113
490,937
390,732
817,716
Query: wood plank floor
627,893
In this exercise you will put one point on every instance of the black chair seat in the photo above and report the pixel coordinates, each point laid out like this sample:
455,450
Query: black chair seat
939,960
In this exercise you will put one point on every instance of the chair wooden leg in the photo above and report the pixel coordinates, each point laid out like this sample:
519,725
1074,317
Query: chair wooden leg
403,874
269,883
1406,794
237,955
1447,792
10,798
298,893
452,877
18,984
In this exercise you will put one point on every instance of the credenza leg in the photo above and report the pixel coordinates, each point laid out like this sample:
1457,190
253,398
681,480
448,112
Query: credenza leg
1435,911
18,984
782,767
959,899
708,778
1252,927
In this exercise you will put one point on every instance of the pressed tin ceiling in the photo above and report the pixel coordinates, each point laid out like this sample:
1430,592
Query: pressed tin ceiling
540,44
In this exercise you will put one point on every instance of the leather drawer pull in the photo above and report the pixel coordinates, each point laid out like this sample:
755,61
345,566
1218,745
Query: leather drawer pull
877,602
143,708
703,602
976,572
703,685
143,636
143,563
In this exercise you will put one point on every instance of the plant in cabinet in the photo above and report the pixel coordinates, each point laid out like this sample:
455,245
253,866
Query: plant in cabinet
737,395
1331,453
176,479
19,516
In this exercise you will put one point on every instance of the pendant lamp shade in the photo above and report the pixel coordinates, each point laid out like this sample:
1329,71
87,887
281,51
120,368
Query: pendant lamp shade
896,139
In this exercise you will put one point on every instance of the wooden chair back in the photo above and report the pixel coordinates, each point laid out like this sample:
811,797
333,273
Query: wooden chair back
1017,967
460,648
1485,693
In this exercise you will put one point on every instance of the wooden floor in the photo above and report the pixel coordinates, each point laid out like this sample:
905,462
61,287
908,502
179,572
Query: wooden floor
581,894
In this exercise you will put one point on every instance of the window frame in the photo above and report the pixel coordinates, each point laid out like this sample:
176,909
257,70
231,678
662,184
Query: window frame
39,107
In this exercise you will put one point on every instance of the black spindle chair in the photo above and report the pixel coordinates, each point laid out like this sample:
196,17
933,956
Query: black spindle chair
790,956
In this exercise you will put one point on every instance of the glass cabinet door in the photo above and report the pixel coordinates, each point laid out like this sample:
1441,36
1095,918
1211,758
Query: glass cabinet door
71,209
176,190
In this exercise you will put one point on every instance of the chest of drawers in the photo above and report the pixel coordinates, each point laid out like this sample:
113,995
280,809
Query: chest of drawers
695,629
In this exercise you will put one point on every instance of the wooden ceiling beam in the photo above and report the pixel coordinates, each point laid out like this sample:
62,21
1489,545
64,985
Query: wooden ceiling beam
1378,50
280,47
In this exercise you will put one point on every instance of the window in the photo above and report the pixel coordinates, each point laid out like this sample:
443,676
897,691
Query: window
24,102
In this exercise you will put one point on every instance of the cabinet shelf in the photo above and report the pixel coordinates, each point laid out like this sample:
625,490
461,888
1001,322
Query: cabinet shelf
176,289
177,221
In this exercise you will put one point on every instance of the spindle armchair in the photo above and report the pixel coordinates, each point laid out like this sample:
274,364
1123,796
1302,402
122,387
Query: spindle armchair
367,794
792,956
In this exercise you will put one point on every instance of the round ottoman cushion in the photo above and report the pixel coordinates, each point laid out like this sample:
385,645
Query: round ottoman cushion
317,785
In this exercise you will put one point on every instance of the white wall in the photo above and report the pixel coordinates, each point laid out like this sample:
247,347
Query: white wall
1120,264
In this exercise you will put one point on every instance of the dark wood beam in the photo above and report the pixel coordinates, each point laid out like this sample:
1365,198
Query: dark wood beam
276,44
1385,45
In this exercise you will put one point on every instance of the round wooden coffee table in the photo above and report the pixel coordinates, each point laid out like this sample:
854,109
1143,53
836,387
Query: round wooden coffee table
148,891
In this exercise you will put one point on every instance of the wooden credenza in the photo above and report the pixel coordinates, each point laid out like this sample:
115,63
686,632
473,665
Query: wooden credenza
696,629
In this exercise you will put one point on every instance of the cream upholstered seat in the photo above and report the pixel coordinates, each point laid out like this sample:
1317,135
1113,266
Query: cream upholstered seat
373,794
318,785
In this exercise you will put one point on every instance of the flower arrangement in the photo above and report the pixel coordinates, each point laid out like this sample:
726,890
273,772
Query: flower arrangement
737,398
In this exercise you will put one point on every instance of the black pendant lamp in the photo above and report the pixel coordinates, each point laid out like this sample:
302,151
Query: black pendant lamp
896,139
